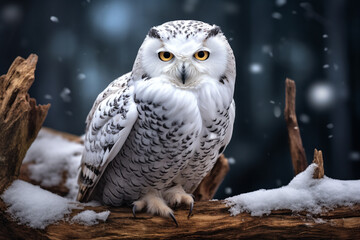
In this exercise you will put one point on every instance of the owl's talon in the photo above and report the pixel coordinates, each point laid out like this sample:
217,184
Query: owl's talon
134,211
191,209
173,218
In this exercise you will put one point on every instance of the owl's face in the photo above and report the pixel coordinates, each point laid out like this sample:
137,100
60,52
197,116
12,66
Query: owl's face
185,53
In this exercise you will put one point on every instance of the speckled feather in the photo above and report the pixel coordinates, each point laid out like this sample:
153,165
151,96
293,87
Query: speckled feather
147,132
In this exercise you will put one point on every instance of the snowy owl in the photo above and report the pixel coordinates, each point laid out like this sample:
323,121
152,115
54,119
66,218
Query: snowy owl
154,133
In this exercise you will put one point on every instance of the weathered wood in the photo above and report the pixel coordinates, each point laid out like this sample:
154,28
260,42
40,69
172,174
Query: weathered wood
318,159
211,220
297,151
20,117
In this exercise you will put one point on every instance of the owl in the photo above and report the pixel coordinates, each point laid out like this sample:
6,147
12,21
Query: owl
154,133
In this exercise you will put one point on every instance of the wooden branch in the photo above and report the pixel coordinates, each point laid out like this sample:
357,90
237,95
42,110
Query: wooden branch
20,117
211,220
318,159
296,148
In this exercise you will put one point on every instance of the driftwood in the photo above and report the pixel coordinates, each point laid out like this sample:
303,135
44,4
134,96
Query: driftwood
20,117
297,151
211,220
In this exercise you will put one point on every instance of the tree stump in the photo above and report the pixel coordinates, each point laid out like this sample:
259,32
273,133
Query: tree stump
20,117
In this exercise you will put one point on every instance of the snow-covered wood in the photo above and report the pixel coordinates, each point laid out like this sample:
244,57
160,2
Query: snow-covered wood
20,117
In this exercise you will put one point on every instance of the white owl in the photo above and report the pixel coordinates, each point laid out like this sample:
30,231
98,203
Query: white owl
153,134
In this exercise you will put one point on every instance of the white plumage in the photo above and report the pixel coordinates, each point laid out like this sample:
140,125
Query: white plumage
154,133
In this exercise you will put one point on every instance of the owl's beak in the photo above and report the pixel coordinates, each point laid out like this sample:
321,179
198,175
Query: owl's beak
183,74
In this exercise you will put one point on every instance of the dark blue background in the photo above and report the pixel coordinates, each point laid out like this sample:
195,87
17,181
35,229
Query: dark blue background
316,43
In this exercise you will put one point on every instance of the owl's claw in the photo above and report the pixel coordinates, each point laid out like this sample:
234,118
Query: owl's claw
191,209
173,218
134,211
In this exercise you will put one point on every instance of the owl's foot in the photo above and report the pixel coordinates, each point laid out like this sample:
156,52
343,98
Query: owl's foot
155,205
176,196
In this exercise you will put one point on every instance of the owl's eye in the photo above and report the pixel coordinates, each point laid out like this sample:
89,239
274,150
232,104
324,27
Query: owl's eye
202,55
165,56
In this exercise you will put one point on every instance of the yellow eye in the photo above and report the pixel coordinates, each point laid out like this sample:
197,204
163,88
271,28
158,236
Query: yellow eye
165,56
202,55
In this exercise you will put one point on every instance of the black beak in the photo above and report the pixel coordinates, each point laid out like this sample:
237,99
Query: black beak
183,74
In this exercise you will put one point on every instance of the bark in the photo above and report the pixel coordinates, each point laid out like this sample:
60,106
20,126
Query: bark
20,117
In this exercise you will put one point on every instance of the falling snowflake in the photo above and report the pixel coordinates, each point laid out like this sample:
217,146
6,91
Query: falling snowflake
330,125
256,68
231,161
65,95
47,96
54,19
321,95
304,118
354,156
280,3
81,76
276,15
277,111
228,190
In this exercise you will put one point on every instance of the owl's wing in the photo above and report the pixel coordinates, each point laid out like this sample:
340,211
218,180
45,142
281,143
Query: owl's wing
229,130
108,126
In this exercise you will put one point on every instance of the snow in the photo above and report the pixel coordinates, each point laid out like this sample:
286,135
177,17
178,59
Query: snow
65,95
277,111
54,19
34,206
49,156
321,95
90,217
47,96
354,156
280,3
228,190
231,160
255,68
276,15
303,193
81,76
304,118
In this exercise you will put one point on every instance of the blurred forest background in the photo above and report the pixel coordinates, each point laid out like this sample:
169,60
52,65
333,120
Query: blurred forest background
83,45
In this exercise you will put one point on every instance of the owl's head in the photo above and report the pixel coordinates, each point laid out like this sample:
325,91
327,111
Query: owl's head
186,53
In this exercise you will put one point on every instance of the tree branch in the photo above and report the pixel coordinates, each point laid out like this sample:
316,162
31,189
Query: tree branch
297,151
